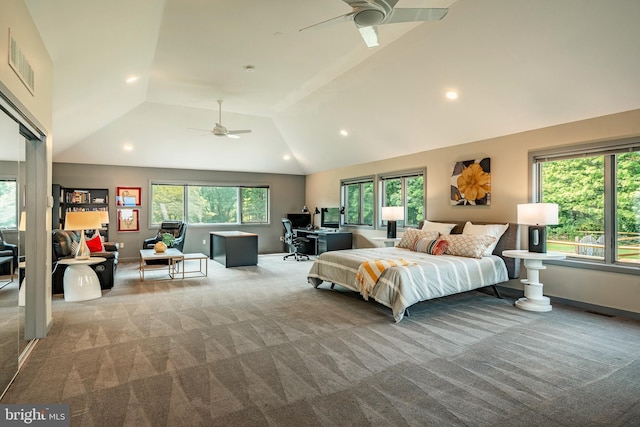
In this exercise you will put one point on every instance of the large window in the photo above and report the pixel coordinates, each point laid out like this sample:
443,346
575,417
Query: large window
358,199
404,189
8,200
210,204
597,189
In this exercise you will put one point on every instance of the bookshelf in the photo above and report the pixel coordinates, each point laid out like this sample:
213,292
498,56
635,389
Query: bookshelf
67,199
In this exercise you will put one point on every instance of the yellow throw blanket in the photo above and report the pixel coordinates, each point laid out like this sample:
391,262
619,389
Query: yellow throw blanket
369,272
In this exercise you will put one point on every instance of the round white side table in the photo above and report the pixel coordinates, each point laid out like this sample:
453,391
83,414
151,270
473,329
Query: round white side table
80,281
387,241
533,299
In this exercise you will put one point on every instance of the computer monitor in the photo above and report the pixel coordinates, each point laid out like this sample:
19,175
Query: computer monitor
299,220
330,217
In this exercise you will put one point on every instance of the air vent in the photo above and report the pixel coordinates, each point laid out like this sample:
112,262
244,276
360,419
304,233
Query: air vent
20,64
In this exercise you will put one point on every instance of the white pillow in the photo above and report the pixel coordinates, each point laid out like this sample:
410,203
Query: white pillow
495,230
437,226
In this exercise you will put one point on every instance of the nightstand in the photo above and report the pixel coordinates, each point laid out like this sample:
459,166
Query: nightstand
533,299
388,241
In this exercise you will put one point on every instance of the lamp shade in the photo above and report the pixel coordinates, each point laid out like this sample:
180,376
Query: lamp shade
86,220
538,214
23,221
104,217
393,213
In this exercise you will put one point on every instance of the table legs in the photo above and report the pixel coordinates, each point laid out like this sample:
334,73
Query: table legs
533,299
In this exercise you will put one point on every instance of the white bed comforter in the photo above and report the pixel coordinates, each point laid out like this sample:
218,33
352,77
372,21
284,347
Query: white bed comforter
400,287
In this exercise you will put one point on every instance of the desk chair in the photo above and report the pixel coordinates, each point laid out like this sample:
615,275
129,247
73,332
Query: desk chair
293,242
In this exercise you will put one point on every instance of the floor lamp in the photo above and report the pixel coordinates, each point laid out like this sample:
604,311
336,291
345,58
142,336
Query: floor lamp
81,221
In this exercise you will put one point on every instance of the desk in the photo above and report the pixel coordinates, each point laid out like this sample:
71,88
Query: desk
533,299
172,255
233,248
321,241
80,281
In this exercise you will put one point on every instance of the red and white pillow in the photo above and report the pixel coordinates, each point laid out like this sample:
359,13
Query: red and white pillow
412,235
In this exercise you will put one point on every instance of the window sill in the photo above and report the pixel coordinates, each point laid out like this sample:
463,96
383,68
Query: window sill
600,266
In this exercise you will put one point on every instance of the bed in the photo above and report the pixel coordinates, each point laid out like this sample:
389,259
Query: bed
423,277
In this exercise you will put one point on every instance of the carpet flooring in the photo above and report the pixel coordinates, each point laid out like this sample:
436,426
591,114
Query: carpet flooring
258,346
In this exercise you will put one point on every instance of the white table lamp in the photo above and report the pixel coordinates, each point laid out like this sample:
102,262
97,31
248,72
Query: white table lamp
391,214
81,221
537,216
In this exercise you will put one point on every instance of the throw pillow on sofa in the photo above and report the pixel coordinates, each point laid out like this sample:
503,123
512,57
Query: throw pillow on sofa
95,244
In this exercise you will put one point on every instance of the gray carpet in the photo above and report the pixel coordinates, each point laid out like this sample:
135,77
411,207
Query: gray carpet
259,346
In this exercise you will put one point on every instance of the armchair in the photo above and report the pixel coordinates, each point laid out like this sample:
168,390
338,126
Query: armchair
178,229
8,250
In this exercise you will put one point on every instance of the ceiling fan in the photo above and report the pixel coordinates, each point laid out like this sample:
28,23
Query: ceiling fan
367,14
220,130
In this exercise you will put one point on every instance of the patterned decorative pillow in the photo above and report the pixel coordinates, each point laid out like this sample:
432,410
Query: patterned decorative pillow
431,247
468,245
412,235
74,247
495,230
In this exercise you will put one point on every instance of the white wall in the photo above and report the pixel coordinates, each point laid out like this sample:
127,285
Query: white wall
510,186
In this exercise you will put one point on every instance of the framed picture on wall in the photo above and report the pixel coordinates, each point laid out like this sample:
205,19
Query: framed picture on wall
128,220
471,183
128,196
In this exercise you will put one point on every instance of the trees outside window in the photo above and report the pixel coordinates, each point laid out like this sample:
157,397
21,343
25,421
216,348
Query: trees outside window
404,189
597,190
358,200
210,204
8,201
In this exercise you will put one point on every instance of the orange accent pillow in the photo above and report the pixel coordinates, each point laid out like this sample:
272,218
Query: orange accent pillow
95,244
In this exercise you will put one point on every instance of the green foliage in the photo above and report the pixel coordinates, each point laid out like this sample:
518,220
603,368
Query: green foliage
577,185
168,239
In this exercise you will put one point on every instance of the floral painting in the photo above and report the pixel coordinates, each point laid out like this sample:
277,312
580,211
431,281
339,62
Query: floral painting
471,182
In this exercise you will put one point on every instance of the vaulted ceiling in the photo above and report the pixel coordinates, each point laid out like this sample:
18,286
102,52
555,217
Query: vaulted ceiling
517,65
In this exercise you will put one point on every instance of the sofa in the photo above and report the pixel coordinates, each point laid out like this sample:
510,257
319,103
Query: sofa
62,241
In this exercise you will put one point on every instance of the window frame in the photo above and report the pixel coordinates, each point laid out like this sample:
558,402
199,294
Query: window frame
239,190
344,183
607,149
403,176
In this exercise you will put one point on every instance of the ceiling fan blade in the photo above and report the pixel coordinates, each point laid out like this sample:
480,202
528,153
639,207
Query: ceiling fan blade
416,14
236,132
328,22
369,35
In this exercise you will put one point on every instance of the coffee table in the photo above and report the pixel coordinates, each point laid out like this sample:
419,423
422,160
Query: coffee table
172,255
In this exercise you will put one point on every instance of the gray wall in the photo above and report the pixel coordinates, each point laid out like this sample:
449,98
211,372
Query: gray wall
287,195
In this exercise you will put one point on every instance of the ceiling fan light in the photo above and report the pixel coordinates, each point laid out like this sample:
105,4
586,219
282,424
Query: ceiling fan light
368,17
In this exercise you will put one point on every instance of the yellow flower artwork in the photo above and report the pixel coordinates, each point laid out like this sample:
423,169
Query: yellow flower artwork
471,182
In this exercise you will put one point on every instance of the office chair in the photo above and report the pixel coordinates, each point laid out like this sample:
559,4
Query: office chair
293,242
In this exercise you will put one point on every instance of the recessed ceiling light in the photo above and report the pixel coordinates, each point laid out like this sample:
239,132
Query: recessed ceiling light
451,94
344,132
127,147
132,79
287,157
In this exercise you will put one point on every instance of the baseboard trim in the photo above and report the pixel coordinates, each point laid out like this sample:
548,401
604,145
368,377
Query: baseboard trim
592,308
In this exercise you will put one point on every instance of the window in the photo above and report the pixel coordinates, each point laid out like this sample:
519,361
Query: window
210,204
8,200
404,189
597,189
357,195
